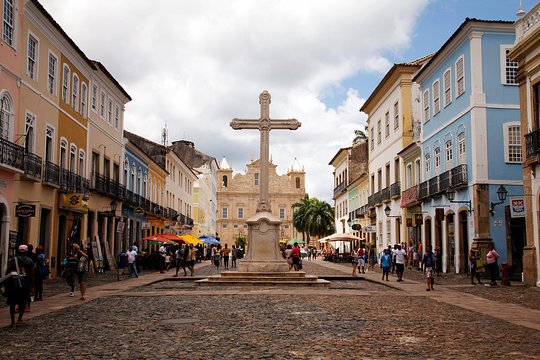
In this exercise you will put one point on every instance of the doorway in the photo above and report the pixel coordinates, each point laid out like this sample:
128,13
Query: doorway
464,236
515,240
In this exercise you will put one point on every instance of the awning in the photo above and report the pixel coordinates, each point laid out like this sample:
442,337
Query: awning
190,239
292,241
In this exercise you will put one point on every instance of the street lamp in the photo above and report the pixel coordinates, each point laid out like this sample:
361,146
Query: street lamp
387,211
113,207
501,194
451,194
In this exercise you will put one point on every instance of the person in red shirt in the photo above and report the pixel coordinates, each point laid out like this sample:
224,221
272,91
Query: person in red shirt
295,254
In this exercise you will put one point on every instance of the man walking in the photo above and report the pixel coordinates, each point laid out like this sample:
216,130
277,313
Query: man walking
132,261
400,256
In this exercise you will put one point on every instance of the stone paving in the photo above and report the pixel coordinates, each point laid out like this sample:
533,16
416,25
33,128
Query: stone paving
148,318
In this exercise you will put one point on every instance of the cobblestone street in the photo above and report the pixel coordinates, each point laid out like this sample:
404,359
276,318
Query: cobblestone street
353,318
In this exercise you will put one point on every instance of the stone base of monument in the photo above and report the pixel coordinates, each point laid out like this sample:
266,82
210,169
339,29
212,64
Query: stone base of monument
241,278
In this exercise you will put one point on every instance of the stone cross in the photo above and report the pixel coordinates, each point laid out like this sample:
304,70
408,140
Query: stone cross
264,124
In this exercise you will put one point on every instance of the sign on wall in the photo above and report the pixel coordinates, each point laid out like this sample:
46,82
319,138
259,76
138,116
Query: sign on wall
25,210
517,207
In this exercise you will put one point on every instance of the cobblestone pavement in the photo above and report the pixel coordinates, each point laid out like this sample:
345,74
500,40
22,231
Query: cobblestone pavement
177,320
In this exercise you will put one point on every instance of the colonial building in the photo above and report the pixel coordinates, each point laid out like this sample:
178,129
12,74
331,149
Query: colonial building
238,195
526,52
471,146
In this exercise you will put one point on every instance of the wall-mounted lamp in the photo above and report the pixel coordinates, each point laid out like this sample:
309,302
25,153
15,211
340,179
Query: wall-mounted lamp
501,194
387,211
451,194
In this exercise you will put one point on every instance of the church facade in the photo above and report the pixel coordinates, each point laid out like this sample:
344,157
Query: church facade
238,195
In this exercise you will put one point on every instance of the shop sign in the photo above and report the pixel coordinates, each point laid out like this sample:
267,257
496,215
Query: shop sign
409,222
120,226
517,207
418,220
139,211
145,225
369,229
25,210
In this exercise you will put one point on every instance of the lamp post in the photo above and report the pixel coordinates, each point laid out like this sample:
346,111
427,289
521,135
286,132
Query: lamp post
387,212
501,194
451,194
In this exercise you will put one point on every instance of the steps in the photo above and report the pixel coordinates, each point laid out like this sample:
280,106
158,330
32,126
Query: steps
293,278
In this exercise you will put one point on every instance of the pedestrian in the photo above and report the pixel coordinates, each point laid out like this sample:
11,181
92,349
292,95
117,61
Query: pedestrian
180,261
233,256
33,256
354,261
477,265
420,255
70,269
131,257
19,286
192,257
372,258
491,260
122,262
400,256
386,261
41,272
162,254
82,269
167,260
225,253
288,256
428,263
295,254
361,259
216,255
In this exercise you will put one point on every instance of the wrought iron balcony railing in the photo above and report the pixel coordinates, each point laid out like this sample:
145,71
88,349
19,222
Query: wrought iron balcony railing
532,144
32,166
459,176
11,154
340,188
51,174
395,189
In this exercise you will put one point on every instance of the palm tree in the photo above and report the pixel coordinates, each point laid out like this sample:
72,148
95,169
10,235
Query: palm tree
360,135
313,217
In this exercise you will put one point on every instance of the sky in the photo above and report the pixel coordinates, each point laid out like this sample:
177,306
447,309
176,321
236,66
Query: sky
193,66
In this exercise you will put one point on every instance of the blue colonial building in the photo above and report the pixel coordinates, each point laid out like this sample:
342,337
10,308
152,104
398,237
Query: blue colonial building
471,146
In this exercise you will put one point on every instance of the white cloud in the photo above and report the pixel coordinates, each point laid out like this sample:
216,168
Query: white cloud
195,65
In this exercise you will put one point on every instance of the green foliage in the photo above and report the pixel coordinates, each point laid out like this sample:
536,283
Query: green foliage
241,241
313,217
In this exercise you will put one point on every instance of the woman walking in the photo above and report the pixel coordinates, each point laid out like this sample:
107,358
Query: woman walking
82,270
491,261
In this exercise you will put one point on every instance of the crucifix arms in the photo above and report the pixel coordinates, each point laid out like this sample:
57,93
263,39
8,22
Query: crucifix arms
290,124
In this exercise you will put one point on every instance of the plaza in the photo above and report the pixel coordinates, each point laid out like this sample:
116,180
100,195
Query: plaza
160,317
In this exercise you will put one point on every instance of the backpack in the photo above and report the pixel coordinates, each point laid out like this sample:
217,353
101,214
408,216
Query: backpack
44,268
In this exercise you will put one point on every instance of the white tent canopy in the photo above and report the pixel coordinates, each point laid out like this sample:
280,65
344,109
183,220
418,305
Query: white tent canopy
339,237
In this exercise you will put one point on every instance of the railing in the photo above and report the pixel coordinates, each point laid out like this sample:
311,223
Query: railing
385,194
11,154
527,23
410,196
51,174
172,214
459,176
32,166
532,144
433,186
423,191
338,189
444,180
73,183
371,201
395,189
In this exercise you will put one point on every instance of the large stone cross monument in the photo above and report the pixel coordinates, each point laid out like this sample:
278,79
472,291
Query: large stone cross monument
263,253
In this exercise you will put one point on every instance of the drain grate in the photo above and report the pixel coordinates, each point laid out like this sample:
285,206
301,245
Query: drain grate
181,321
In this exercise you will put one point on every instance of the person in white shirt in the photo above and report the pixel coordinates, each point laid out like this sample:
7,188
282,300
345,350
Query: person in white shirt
162,255
132,258
400,255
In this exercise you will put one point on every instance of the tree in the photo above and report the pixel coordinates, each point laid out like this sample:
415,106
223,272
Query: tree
360,135
300,210
313,217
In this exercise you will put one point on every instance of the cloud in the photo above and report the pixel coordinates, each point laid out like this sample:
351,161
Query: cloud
195,65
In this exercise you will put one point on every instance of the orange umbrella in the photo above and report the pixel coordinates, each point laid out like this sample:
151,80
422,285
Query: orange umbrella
190,239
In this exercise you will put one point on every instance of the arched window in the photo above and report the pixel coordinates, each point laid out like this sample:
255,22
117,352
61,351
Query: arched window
73,158
75,92
461,148
437,158
224,181
65,84
133,172
298,183
139,181
6,115
82,159
449,155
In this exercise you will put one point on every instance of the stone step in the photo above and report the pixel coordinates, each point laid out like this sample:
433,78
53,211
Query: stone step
307,281
244,274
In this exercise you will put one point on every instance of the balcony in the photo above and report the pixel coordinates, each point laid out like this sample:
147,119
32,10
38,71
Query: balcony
385,194
411,196
459,176
70,182
11,154
445,180
108,187
32,166
51,174
423,191
340,188
532,146
433,186
395,190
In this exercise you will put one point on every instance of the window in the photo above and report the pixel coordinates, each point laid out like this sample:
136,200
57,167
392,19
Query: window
281,213
81,163
408,176
6,116
417,170
240,213
223,181
387,124
224,213
94,97
256,179
63,154
379,132
437,156
75,92
396,115
49,141
116,116
297,183
32,57
83,99
461,148
72,158
102,104
428,165
460,77
447,81
65,84
436,97
372,138
449,155
9,22
51,81
425,100
509,68
388,232
512,144
29,132
109,111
